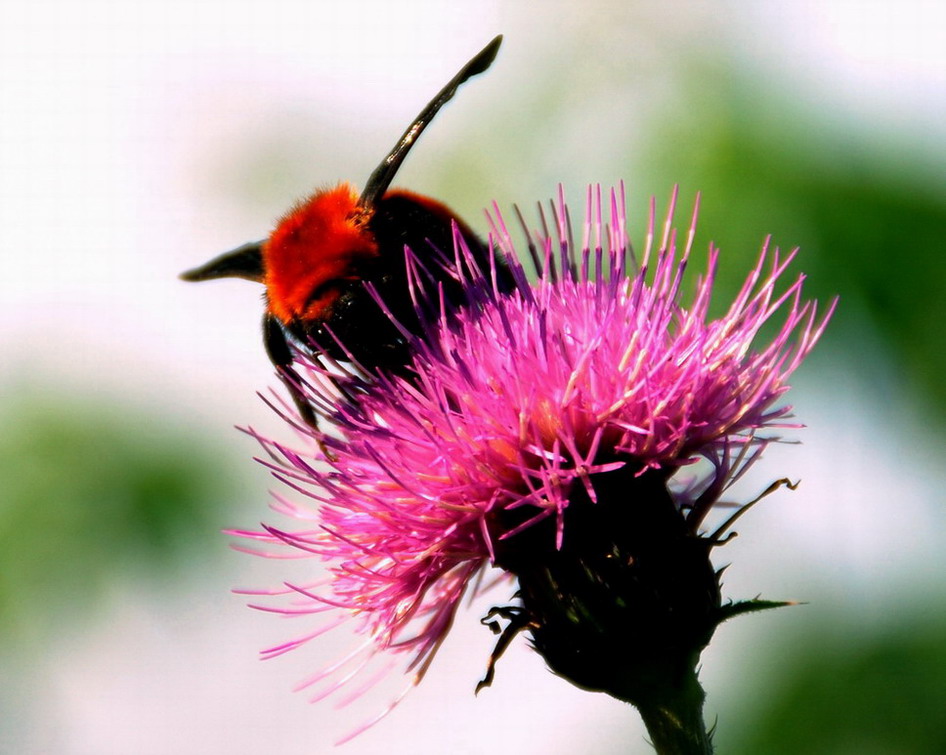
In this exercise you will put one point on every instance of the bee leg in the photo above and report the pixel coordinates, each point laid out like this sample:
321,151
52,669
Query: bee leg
277,347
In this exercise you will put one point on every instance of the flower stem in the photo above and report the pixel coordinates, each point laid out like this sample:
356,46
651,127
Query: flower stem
674,719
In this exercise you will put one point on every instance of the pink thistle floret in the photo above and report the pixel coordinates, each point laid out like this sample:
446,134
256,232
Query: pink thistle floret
518,398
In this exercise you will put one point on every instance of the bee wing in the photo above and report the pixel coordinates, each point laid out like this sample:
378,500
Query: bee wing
381,179
243,262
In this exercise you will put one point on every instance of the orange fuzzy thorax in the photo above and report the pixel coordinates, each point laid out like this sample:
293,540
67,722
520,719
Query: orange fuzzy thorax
321,241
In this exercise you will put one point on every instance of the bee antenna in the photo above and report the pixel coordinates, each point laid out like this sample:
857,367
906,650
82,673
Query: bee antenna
381,179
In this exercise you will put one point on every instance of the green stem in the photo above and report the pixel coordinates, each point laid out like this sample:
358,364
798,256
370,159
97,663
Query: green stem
674,719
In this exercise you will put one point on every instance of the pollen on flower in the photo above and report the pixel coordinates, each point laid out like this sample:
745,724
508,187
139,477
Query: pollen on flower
523,412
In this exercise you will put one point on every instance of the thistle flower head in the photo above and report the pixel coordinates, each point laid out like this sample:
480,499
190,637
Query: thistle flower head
524,407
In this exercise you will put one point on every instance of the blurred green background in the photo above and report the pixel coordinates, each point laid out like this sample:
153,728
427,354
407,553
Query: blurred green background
139,139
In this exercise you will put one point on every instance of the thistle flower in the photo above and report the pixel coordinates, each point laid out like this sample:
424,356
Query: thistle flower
541,432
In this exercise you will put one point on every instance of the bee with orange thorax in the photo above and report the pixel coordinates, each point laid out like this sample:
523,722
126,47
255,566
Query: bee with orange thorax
316,262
